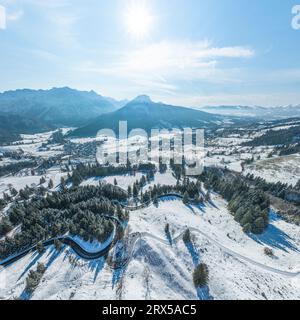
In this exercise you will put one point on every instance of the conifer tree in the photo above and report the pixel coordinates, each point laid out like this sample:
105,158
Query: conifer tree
185,198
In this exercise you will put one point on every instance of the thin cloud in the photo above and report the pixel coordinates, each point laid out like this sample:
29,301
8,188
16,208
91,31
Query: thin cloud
14,16
269,99
2,18
162,65
62,18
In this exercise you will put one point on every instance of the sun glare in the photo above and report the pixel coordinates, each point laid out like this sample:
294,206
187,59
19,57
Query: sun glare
138,20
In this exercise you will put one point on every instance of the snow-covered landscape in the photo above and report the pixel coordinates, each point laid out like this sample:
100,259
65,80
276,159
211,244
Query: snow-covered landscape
160,269
160,265
149,150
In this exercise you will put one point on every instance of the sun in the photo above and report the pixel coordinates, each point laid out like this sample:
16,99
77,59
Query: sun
139,20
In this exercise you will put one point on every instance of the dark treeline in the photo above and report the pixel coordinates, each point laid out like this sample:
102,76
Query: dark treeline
16,167
288,193
80,211
289,149
83,172
187,189
178,170
250,206
282,137
278,189
8,138
57,138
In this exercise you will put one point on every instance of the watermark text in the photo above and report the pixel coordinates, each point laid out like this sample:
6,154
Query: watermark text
296,17
181,147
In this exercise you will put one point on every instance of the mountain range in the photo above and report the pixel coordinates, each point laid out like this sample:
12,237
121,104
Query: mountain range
264,113
56,107
30,111
145,114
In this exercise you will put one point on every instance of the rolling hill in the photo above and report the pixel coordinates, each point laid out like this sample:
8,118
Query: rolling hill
13,125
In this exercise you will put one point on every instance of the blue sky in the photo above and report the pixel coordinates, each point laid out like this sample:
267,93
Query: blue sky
194,53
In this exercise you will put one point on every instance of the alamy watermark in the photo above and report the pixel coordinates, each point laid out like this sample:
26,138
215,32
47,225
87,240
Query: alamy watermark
296,17
181,147
2,17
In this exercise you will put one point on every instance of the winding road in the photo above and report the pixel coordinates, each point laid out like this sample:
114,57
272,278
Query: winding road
134,238
79,250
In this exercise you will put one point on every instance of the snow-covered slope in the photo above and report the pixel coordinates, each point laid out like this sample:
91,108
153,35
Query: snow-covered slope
161,268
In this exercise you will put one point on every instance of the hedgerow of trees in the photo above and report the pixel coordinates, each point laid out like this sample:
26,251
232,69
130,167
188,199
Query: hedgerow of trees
250,206
281,137
13,168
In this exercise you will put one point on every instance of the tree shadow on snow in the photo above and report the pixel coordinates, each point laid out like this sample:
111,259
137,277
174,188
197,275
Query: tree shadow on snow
53,255
35,258
273,216
25,295
120,255
97,266
190,207
203,294
194,254
168,198
275,238
117,275
169,238
201,207
213,204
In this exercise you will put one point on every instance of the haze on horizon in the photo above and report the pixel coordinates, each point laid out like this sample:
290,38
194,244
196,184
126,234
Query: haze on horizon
190,53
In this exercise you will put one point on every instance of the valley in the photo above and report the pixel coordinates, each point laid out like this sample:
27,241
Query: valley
165,234
149,156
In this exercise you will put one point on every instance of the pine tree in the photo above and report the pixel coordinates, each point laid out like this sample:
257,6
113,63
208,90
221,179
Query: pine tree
187,236
135,191
143,182
42,180
62,182
167,229
197,199
40,248
207,196
201,276
41,268
50,184
57,245
247,228
13,192
129,191
155,201
185,198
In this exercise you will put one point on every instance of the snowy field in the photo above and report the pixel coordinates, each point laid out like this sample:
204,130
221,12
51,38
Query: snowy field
123,180
285,169
238,267
21,181
32,145
161,266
